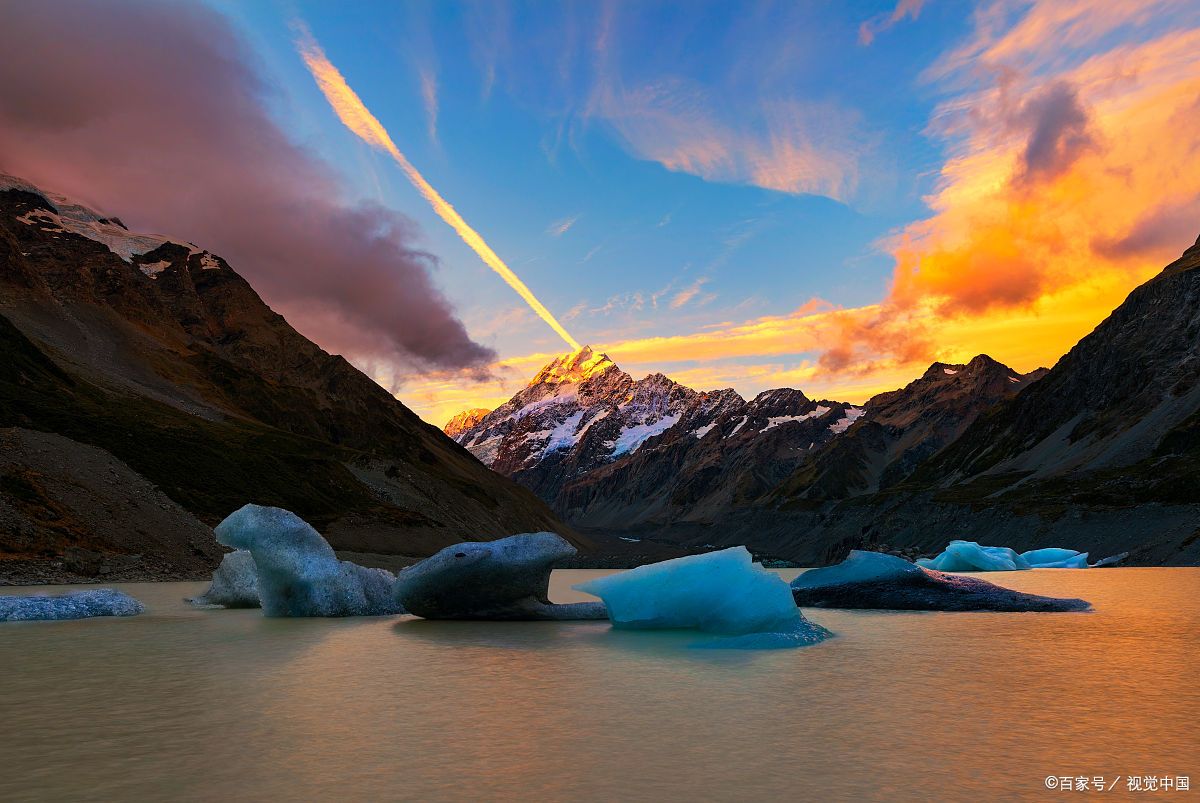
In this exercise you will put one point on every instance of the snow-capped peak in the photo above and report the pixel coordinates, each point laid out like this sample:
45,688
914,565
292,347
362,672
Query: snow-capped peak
74,218
573,368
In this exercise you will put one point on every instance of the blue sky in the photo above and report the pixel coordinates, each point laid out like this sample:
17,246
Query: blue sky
517,149
657,170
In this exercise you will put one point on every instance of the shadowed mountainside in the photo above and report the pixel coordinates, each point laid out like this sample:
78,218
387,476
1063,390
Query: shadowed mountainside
159,356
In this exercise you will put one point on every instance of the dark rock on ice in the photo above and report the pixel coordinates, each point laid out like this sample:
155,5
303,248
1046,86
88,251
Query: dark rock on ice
504,579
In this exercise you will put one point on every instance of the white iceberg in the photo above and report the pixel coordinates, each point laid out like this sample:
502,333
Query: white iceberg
73,605
968,556
723,593
234,583
298,573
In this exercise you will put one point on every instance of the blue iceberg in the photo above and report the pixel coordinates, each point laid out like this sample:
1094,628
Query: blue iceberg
1056,558
724,593
73,605
872,580
234,583
968,556
297,572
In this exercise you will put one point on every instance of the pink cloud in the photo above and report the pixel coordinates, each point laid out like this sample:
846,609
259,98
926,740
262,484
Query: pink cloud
152,112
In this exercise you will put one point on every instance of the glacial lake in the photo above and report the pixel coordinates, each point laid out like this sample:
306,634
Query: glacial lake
184,704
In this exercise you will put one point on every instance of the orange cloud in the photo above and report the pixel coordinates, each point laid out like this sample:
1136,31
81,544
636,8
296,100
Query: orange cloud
1068,182
1058,205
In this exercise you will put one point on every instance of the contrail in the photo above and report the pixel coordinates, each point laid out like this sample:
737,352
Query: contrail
358,118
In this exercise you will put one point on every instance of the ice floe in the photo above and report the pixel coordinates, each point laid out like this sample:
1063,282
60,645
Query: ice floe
504,579
724,593
298,572
878,581
968,556
73,605
234,583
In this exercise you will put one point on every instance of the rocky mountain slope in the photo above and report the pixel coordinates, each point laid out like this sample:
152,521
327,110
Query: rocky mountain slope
612,453
583,422
903,428
155,358
1102,454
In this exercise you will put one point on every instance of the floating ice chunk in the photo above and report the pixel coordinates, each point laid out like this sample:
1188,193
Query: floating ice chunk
968,556
1056,558
234,583
298,574
1111,560
73,605
886,582
504,579
721,592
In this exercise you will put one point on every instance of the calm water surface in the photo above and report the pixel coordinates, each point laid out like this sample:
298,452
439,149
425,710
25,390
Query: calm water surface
180,704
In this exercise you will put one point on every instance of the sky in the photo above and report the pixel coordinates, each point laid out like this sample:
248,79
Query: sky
827,196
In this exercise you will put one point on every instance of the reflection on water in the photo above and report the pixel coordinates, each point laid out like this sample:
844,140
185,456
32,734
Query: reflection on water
198,705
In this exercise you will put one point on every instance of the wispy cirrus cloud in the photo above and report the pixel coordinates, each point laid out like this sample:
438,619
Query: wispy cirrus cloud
785,145
869,29
429,97
560,227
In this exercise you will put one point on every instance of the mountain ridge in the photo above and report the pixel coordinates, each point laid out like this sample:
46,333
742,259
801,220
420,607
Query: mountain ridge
161,355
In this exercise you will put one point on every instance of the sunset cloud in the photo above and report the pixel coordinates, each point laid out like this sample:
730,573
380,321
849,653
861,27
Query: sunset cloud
1057,205
785,145
876,25
153,113
1065,185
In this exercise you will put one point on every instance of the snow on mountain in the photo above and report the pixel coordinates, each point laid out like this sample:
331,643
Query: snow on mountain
74,218
580,403
581,412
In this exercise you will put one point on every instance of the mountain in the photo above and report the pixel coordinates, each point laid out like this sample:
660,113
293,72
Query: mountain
902,428
578,413
1101,454
652,457
781,445
154,361
1125,399
724,452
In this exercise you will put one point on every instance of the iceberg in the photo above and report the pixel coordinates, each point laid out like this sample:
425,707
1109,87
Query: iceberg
873,580
968,556
724,593
297,572
1056,558
73,605
234,583
504,579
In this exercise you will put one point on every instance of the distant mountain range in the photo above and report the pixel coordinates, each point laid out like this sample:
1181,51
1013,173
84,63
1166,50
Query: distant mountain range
146,391
1099,453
